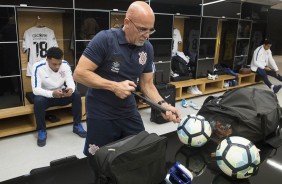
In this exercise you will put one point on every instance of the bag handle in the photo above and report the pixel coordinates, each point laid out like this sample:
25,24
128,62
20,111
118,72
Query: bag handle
219,97
208,99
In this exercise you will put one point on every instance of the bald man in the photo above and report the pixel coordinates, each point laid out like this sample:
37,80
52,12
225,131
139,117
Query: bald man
110,66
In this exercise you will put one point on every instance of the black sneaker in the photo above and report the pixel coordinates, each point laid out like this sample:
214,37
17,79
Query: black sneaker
78,129
42,136
276,88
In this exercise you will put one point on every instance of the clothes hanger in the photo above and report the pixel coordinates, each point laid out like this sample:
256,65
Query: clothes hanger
38,22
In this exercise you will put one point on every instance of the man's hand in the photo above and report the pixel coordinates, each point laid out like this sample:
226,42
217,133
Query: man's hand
124,89
267,68
58,93
61,93
67,92
172,114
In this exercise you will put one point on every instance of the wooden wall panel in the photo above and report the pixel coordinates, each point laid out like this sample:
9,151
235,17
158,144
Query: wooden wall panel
117,20
28,19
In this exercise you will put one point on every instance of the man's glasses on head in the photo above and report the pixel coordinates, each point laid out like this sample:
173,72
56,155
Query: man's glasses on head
143,30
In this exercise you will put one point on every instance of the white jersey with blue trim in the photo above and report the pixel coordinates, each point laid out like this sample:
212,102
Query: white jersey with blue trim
262,58
44,80
36,41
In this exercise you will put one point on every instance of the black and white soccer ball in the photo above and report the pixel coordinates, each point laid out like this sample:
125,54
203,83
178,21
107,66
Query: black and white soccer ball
237,157
194,130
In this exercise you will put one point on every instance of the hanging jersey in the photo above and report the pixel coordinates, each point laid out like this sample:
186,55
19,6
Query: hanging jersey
36,41
194,36
176,40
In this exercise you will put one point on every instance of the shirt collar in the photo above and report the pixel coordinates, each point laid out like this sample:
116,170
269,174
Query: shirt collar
121,36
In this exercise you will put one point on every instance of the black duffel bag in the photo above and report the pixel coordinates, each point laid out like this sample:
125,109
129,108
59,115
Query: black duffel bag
137,159
252,113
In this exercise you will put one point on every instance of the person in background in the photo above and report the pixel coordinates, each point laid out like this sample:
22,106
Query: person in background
110,66
263,64
53,85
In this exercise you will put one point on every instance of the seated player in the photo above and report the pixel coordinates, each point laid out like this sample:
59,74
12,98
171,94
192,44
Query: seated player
264,64
53,85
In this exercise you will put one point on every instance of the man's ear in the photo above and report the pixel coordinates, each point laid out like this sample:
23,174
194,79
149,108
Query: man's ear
126,22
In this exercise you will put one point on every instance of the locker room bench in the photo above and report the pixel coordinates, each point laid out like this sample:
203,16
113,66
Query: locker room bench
21,119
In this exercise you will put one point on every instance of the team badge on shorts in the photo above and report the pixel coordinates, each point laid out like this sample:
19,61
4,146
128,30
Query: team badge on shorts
142,57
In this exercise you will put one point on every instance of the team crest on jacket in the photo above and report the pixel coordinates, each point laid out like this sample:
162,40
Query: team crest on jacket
62,73
142,57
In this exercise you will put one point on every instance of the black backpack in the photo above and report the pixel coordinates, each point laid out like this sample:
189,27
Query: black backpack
137,159
247,112
180,66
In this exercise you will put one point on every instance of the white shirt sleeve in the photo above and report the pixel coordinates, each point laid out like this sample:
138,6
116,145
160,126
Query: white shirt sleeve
69,78
271,61
259,58
36,84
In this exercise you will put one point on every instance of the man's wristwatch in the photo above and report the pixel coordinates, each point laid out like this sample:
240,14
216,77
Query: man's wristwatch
161,102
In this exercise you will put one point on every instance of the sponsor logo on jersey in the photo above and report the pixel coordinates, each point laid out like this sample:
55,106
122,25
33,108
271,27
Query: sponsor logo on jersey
142,57
39,35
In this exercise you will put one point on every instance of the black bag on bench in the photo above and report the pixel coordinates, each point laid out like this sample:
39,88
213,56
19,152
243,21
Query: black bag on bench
252,113
138,159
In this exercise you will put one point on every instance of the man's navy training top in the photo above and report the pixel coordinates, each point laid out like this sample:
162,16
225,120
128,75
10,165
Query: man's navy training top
117,61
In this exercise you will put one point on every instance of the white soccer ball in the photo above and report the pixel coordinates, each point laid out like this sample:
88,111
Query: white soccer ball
194,130
237,157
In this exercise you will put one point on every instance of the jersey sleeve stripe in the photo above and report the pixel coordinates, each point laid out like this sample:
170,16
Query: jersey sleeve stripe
258,53
35,73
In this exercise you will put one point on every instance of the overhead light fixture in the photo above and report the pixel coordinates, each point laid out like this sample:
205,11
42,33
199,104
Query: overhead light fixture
213,2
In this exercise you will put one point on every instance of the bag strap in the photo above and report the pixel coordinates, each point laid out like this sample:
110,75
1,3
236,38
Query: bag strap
208,99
